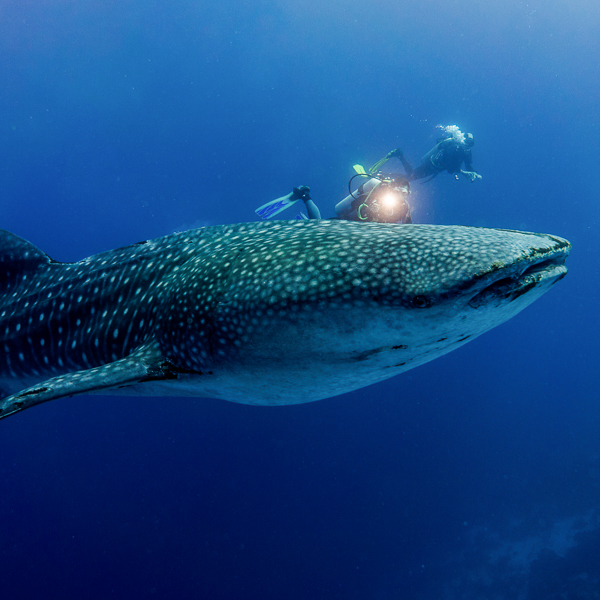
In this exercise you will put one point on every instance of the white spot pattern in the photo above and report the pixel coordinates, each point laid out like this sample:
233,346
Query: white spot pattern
203,294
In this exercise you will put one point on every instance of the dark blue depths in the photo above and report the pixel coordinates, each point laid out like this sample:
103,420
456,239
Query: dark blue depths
475,476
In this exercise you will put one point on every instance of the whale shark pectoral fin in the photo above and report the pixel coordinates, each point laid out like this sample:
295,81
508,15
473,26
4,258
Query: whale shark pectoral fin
145,364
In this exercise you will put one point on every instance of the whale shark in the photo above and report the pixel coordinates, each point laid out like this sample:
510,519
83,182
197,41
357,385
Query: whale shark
269,313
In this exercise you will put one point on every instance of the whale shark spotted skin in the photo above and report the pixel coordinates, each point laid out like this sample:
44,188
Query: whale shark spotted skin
267,313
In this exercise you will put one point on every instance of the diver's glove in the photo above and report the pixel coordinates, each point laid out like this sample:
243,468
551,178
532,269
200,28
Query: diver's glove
301,193
471,175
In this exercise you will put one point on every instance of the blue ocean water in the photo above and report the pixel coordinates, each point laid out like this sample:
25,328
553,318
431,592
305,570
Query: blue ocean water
474,476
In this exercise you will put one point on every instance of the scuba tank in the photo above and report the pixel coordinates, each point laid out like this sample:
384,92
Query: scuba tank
348,207
435,154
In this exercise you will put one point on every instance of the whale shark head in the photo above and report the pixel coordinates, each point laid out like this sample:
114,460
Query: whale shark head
290,312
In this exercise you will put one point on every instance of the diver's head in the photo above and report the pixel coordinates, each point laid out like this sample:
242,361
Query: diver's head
469,140
401,184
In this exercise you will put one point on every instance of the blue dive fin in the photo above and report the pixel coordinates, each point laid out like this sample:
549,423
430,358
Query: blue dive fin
270,209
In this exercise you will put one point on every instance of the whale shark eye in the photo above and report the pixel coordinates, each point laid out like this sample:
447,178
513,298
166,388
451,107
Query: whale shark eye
421,302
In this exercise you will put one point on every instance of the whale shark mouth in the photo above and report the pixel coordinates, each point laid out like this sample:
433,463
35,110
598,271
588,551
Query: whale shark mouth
549,268
547,271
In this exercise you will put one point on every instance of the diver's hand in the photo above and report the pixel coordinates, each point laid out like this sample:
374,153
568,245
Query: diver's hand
471,175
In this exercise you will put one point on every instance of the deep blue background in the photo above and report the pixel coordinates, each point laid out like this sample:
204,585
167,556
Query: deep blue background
465,478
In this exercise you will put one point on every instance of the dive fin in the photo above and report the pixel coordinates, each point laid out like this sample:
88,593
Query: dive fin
145,364
379,164
274,207
360,170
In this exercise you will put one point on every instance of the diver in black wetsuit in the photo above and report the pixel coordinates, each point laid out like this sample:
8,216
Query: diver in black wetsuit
381,199
450,152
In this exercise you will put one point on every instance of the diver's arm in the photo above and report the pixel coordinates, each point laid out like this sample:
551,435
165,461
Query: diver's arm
469,172
468,158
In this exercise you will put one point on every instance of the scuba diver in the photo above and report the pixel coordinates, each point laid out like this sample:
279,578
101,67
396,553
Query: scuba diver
382,199
451,150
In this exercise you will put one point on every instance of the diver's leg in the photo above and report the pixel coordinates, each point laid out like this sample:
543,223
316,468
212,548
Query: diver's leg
312,209
407,166
423,170
303,193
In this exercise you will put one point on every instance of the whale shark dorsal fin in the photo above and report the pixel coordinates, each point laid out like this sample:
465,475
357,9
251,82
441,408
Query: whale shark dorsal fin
17,258
145,364
15,250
